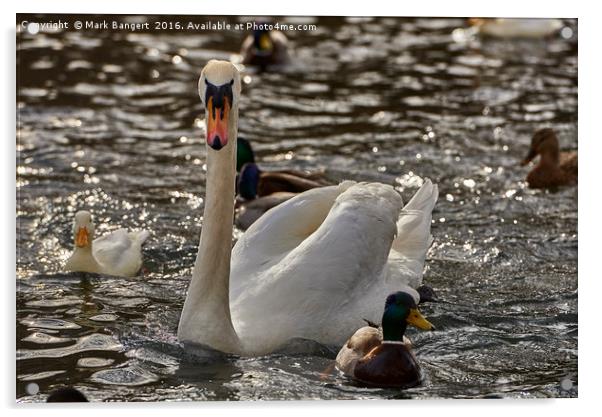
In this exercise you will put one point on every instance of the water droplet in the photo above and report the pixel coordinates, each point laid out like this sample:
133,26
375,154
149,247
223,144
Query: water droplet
32,388
566,384
176,59
566,32
33,28
470,183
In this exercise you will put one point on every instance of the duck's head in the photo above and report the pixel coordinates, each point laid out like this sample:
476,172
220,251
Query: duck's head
248,181
219,89
83,229
262,41
401,310
544,142
244,153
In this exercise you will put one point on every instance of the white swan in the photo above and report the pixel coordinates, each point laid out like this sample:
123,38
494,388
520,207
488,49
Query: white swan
312,267
119,253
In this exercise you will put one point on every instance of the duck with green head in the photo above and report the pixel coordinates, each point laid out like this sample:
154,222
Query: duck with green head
258,190
265,48
385,358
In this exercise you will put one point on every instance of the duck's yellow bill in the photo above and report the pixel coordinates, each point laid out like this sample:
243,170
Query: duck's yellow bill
416,319
82,237
217,124
265,42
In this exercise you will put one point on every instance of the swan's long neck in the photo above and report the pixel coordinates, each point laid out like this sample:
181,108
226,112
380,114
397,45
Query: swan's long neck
206,316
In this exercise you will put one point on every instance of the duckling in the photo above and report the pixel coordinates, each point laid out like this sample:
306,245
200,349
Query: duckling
119,253
555,168
384,358
264,48
516,28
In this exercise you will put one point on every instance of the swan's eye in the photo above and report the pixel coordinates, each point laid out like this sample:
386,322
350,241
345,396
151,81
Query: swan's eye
206,82
232,81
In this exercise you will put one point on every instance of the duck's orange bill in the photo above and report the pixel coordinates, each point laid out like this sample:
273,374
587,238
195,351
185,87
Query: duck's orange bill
217,124
416,319
82,237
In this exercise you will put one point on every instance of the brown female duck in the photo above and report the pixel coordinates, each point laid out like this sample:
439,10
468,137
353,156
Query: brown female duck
555,168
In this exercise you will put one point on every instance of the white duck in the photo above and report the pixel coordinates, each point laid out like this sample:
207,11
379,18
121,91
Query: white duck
517,28
312,267
118,253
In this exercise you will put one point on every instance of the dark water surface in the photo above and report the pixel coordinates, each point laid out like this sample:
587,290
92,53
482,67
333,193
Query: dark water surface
110,121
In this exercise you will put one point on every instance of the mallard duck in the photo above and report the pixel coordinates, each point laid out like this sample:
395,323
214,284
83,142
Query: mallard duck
258,190
305,269
253,182
245,154
264,48
384,357
516,28
119,253
248,211
555,168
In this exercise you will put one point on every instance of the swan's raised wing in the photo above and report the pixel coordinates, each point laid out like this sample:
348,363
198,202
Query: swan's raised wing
351,245
413,240
278,232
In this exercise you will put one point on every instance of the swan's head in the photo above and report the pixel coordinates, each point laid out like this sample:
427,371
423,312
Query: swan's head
401,310
248,181
544,141
219,88
83,229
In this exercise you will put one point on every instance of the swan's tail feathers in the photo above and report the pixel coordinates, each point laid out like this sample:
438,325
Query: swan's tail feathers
139,236
414,225
425,198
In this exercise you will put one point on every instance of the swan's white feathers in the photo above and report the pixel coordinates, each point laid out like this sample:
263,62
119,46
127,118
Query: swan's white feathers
318,264
414,238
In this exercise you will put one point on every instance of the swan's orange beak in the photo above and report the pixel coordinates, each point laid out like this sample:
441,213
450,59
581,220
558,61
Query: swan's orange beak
217,124
82,238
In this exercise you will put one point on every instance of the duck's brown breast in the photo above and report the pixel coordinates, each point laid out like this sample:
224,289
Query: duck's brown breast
389,365
546,175
272,182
